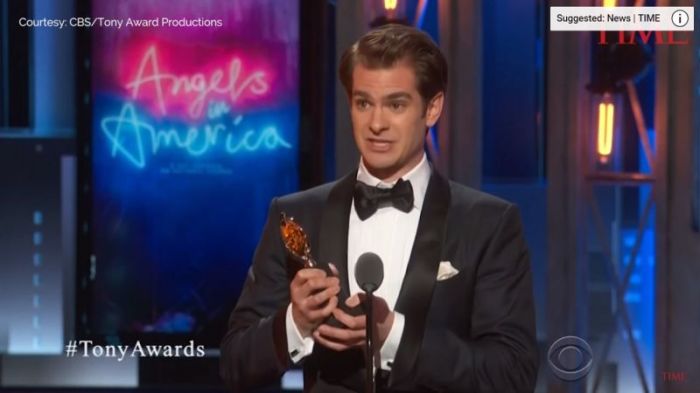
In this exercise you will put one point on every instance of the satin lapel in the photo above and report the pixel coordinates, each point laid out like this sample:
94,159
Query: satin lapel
333,238
417,288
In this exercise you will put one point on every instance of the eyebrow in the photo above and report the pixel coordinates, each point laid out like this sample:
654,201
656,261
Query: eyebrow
392,96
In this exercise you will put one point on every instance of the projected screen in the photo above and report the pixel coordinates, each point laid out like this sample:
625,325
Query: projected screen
194,129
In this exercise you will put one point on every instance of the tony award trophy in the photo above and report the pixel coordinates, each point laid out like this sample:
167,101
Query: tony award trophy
296,242
297,245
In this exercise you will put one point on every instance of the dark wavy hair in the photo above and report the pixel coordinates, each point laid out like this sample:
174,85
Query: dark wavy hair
390,44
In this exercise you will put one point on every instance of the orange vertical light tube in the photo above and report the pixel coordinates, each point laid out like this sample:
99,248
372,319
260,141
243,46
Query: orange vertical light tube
606,122
390,5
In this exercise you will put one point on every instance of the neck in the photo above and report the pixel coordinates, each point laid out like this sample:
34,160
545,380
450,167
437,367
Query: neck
389,175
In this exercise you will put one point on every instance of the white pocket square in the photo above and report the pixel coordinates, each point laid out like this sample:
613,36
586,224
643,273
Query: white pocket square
446,270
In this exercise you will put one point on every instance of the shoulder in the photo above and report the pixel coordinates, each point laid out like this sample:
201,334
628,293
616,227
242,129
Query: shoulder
478,216
310,197
468,198
480,209
306,207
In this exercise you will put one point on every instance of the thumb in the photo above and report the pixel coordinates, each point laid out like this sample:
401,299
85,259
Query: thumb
354,300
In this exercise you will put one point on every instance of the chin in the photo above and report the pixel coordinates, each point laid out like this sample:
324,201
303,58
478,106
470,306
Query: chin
380,169
378,161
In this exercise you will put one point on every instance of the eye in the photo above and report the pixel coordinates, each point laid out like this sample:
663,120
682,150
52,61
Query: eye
397,106
362,103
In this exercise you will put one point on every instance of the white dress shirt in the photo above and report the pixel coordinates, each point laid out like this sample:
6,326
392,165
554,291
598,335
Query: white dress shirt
388,233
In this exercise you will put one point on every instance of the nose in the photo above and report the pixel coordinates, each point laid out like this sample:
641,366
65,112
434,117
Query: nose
377,122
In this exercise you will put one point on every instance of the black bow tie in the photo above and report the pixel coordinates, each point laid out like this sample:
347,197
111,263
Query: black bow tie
368,199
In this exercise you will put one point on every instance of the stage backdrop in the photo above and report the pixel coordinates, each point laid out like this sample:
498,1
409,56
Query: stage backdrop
194,130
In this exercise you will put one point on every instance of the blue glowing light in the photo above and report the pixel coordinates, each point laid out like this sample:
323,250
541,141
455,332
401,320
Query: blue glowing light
127,133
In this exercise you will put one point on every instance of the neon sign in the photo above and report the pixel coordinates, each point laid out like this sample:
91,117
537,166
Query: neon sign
130,135
228,81
126,136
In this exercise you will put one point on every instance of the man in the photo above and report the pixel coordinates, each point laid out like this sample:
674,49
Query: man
455,311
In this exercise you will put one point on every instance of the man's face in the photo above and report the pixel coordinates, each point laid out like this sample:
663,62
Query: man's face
389,119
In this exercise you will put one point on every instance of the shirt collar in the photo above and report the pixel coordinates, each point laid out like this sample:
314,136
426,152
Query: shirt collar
419,177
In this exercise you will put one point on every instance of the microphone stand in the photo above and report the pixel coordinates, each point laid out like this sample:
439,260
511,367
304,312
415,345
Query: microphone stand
369,343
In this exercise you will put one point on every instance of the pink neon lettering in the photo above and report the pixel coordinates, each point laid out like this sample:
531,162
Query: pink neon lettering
222,81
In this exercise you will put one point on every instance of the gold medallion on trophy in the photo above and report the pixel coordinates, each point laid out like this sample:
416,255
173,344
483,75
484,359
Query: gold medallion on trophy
295,241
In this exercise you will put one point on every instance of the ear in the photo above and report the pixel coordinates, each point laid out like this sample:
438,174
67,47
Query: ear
434,109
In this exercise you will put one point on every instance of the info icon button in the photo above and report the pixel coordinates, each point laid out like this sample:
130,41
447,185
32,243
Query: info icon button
680,18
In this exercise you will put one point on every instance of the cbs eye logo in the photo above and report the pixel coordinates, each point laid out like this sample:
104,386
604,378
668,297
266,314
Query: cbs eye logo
570,358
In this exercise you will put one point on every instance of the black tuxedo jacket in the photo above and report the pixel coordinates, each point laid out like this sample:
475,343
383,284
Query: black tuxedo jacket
473,332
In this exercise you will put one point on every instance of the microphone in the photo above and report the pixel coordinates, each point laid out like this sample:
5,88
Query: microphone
369,274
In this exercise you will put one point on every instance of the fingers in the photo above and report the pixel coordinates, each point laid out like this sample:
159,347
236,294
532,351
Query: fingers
310,273
317,316
329,344
315,289
340,334
317,299
341,339
338,339
334,270
308,281
313,296
381,309
304,275
352,322
354,333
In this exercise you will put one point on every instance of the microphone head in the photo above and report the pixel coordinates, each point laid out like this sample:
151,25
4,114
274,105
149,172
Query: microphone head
369,271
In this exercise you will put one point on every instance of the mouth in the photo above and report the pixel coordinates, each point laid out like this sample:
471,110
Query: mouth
379,145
